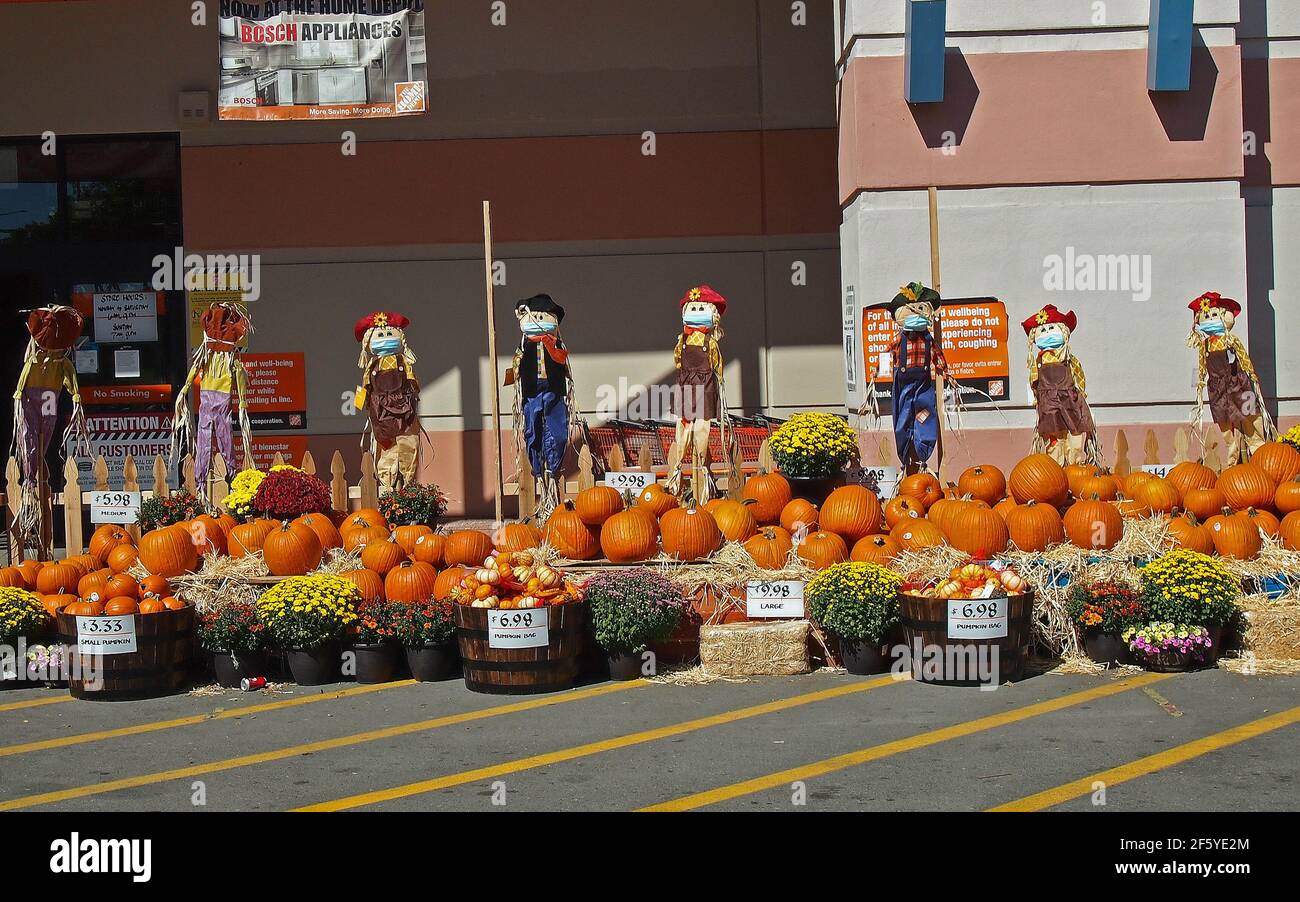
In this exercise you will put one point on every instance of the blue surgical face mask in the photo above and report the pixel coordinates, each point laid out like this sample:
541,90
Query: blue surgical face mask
702,319
531,327
916,323
1213,327
386,347
1050,342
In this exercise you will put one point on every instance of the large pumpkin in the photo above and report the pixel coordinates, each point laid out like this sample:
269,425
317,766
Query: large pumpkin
977,530
1289,531
168,552
629,537
1204,503
569,534
1192,474
689,534
325,530
1236,536
368,582
1158,496
1039,478
985,482
914,535
876,550
1266,521
1247,485
292,550
770,493
247,538
799,516
512,537
382,557
656,499
734,519
1093,523
770,547
924,487
1035,527
1279,460
851,511
467,548
597,504
123,558
1187,531
429,549
410,581
58,578
12,578
1287,497
822,549
447,582
208,535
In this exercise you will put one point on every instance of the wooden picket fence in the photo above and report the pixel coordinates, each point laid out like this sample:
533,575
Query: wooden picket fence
73,504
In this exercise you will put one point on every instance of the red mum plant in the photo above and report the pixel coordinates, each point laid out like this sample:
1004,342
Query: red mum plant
287,494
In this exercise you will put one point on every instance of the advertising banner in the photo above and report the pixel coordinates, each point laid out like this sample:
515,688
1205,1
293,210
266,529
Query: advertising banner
322,59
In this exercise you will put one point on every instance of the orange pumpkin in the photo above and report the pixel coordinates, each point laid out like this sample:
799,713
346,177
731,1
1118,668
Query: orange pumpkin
29,568
1075,473
656,500
84,608
915,535
851,511
1039,478
985,482
122,585
410,581
1289,531
467,547
105,539
53,604
247,538
1187,531
1247,485
800,515
372,516
116,607
924,487
153,606
1005,507
447,582
1035,527
168,552
1236,536
734,519
88,563
157,586
570,535
12,577
511,537
175,604
407,536
122,558
1158,496
208,536
630,536
1266,521
1204,503
1131,508
429,549
1093,523
1100,485
903,507
1278,459
1192,474
689,534
382,557
293,550
876,550
977,530
770,547
368,582
362,532
822,549
324,528
597,504
1129,484
1287,497
770,493
58,578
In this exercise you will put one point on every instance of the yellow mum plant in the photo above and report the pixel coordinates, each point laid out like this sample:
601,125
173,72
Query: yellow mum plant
306,612
813,445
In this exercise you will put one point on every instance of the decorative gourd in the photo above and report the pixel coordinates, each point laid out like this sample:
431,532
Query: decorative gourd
512,537
429,549
1035,527
292,550
1187,531
799,516
122,558
325,530
168,552
915,535
1289,531
105,539
247,538
852,512
410,581
58,578
597,504
1192,474
570,535
1278,459
690,534
876,550
1247,485
656,500
1204,503
770,547
1093,523
382,557
734,519
629,537
977,530
770,493
1236,536
903,507
369,583
822,549
447,582
1158,496
924,487
1039,478
467,548
985,482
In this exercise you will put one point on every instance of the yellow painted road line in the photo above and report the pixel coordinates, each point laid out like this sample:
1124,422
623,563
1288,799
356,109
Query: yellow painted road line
192,719
908,744
592,748
1152,763
1170,708
294,751
35,703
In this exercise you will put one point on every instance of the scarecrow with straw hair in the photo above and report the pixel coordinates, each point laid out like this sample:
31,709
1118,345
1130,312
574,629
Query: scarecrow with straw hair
916,360
222,380
1066,429
390,396
47,372
1227,377
700,397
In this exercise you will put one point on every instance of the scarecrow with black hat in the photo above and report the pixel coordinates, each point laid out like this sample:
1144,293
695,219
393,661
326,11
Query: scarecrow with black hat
390,396
916,359
1066,429
544,410
222,380
699,398
1227,376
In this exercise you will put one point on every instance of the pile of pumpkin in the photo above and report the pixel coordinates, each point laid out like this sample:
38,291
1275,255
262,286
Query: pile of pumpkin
96,583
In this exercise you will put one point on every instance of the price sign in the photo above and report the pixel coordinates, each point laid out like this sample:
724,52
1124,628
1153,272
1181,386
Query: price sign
630,480
886,480
977,618
776,600
122,508
106,635
1161,470
519,629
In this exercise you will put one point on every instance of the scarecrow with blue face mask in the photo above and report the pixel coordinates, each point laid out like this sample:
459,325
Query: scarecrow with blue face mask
700,396
916,358
390,396
1066,429
1227,377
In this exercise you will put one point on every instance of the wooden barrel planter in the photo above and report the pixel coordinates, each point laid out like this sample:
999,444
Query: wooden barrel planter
549,667
927,626
165,647
708,606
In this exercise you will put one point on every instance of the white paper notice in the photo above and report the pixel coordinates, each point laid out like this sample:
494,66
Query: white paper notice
977,618
126,364
519,629
779,600
125,316
106,635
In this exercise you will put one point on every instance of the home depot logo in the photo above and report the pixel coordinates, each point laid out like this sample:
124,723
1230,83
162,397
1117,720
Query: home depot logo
410,97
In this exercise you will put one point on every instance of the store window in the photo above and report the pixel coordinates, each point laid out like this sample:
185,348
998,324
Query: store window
29,195
123,190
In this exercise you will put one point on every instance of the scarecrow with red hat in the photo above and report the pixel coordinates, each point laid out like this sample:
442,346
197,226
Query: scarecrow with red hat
544,410
390,396
221,379
47,372
1066,429
916,361
699,397
1227,376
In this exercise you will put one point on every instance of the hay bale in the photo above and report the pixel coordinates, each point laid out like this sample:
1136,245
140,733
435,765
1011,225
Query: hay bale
779,648
1272,628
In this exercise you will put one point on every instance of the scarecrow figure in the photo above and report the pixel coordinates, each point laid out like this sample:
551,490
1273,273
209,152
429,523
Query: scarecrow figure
1066,429
916,358
390,396
222,379
47,372
1228,377
700,394
544,411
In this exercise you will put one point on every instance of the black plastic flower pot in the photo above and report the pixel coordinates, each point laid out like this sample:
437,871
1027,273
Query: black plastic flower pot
376,663
231,669
816,488
864,658
314,666
433,663
1105,648
624,667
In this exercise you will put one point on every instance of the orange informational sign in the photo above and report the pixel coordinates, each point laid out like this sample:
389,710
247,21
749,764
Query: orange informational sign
410,100
277,390
290,447
126,394
975,335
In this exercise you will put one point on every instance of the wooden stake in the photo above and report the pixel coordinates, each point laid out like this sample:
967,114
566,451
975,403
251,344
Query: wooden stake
935,283
492,357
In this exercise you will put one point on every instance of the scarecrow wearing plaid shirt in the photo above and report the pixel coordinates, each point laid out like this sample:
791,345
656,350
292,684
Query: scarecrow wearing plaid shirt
1228,377
1066,429
917,360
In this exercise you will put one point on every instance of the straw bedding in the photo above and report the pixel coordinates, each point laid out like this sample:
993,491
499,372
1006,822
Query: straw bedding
779,648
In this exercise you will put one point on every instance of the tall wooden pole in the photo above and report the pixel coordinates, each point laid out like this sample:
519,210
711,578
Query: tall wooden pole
492,357
935,283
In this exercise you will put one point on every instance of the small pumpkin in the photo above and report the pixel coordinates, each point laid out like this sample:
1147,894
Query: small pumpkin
324,528
54,604
105,539
822,549
656,499
429,549
1236,536
369,583
924,487
916,535
985,482
157,586
122,585
292,550
1094,524
407,536
512,537
630,536
122,558
1204,502
770,493
410,581
799,516
1035,527
247,538
770,547
84,609
116,607
851,511
903,507
878,549
1187,531
1158,496
153,606
92,586
734,519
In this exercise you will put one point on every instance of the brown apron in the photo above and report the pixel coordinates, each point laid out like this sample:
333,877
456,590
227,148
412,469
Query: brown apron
1231,393
1061,407
392,404
697,384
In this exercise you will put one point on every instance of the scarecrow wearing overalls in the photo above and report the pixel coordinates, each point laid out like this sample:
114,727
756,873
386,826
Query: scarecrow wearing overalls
390,396
1066,429
699,399
222,381
544,411
1228,378
47,372
916,358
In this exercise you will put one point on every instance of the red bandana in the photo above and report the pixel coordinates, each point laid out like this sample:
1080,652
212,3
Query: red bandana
696,330
553,350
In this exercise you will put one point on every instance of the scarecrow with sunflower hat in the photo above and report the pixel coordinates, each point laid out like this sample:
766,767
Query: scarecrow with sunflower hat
1066,429
1227,376
699,396
390,396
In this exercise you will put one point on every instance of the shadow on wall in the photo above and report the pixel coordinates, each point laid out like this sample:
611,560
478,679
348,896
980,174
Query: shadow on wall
1186,114
944,124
